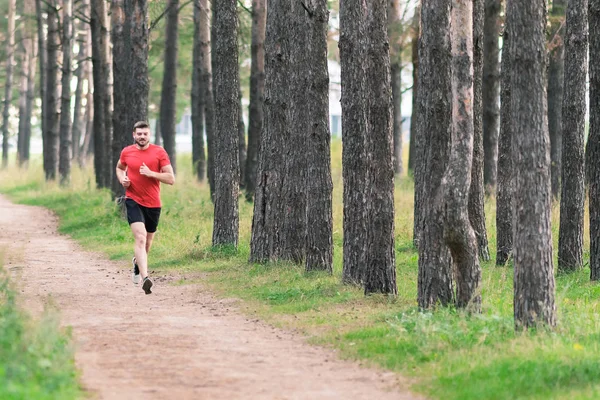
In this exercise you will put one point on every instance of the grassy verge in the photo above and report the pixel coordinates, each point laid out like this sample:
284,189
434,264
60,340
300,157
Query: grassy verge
36,358
449,354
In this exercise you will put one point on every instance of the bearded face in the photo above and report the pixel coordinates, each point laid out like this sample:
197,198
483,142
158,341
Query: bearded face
141,136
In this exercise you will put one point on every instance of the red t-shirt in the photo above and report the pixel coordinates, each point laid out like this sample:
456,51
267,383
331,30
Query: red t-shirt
144,190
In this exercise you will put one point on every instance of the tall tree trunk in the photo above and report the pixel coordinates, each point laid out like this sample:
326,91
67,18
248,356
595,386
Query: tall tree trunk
42,57
477,191
206,84
89,103
458,233
593,144
168,101
354,134
101,140
533,270
10,59
435,101
572,199
198,99
394,32
380,263
241,140
319,186
412,147
505,198
491,91
226,91
30,100
257,91
268,207
64,165
52,126
556,71
130,71
25,58
293,192
78,123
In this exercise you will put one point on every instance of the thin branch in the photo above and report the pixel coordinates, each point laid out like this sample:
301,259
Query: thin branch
249,11
165,11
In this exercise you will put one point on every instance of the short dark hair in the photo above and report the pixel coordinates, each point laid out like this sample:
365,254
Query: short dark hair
140,124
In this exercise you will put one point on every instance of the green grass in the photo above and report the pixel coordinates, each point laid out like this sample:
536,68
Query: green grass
36,357
448,354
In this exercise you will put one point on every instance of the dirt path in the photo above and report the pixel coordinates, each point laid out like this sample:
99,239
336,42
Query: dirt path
179,342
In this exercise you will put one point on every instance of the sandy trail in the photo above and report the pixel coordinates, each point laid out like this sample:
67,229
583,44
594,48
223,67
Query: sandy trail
179,342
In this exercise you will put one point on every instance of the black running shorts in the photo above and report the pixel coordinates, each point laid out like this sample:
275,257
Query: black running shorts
138,213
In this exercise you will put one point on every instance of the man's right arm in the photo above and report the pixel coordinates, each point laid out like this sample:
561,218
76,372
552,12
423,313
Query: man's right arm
121,172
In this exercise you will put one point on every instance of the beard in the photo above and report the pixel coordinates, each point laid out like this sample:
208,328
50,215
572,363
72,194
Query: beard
141,142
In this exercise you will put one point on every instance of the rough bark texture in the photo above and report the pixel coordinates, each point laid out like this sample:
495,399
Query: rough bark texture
593,144
380,263
10,57
51,143
30,101
354,121
64,159
533,269
458,233
394,31
207,87
226,91
27,62
491,91
257,93
293,192
319,186
505,198
198,98
412,150
130,72
435,270
78,122
572,199
101,139
42,58
477,191
556,70
168,101
89,104
241,139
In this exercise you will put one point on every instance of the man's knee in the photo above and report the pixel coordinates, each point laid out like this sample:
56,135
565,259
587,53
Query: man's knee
140,238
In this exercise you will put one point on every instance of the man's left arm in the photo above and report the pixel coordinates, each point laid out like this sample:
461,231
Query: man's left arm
165,175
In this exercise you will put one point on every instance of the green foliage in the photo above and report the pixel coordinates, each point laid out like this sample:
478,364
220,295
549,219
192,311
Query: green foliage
447,353
36,358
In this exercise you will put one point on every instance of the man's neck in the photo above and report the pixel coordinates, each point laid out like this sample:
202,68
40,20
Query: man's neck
142,148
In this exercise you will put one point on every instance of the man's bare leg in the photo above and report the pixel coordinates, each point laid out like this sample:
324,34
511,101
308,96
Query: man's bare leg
140,247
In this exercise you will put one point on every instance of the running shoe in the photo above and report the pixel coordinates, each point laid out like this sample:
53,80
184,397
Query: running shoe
135,275
147,285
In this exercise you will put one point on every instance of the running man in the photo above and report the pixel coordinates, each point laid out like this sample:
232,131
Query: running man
140,169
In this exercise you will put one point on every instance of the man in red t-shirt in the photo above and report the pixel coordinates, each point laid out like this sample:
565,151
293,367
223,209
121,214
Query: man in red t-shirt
140,169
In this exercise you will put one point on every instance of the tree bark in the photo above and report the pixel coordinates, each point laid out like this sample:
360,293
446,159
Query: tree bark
505,198
491,91
477,190
226,91
168,101
257,93
380,274
64,164
89,104
78,123
319,185
241,140
267,220
533,270
198,98
572,199
354,156
10,58
394,31
130,72
555,89
101,139
458,233
435,100
207,87
42,58
593,144
412,150
52,126
25,57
